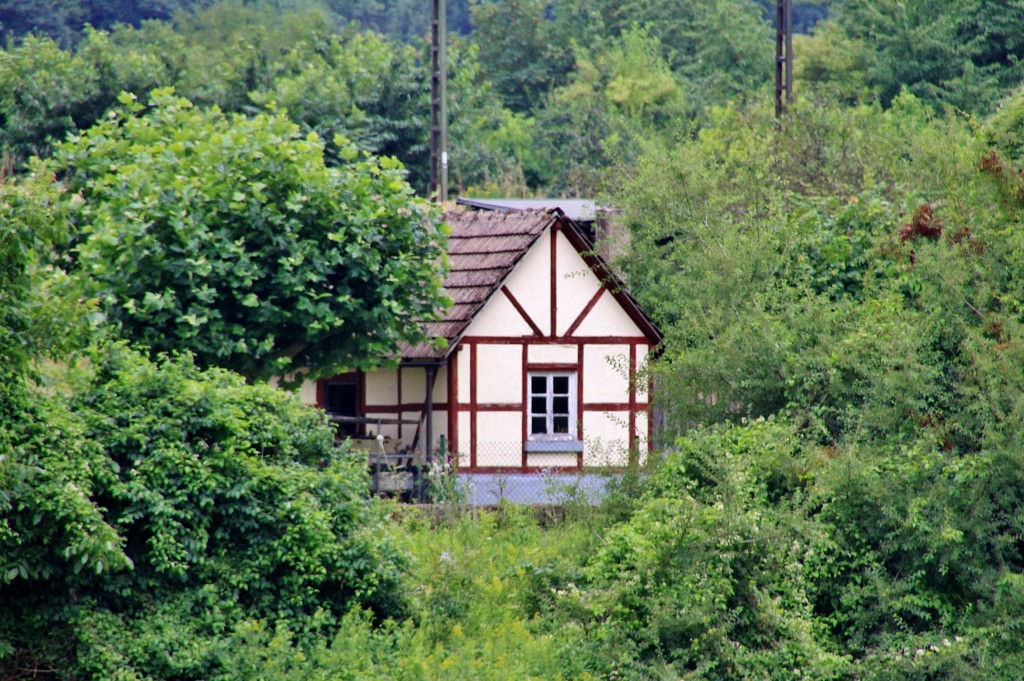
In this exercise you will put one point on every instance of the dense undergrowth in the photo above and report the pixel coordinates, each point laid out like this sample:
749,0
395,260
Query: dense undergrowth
747,554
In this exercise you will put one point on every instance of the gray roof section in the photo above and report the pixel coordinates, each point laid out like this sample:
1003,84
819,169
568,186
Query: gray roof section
578,210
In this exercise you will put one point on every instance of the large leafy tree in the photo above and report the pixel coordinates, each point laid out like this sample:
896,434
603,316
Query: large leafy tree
722,49
229,237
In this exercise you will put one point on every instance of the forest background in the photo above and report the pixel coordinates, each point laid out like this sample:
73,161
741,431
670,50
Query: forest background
841,378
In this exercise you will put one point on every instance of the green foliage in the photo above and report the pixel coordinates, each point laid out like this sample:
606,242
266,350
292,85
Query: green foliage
727,251
484,587
517,55
42,90
228,236
840,380
401,20
850,274
361,87
703,581
832,62
157,508
719,49
32,221
64,20
1004,130
963,55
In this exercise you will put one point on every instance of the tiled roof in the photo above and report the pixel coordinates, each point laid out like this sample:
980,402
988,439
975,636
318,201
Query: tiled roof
483,249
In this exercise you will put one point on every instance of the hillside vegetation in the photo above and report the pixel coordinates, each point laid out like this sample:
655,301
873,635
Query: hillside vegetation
838,492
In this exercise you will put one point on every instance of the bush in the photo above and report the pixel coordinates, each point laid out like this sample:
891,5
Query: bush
704,580
159,507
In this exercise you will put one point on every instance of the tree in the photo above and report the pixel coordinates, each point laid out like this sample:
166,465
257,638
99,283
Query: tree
720,49
361,86
1004,130
964,54
616,99
63,20
229,237
401,20
517,53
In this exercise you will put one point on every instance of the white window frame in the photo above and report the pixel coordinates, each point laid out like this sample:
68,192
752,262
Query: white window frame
548,414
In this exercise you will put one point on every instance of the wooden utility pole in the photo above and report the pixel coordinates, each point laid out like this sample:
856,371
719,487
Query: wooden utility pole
439,102
783,55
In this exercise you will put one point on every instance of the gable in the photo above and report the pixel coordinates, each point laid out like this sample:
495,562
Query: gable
554,291
529,274
576,283
607,318
499,317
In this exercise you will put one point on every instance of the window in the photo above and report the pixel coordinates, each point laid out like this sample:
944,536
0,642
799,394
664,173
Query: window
552,402
341,398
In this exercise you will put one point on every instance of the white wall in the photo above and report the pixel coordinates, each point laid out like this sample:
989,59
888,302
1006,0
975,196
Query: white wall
607,318
606,438
576,284
501,374
464,440
606,370
499,318
552,354
530,283
499,438
382,387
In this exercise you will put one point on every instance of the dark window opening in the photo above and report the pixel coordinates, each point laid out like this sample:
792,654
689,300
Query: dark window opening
342,399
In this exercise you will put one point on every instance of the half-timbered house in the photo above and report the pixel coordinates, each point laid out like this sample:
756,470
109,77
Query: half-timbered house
543,362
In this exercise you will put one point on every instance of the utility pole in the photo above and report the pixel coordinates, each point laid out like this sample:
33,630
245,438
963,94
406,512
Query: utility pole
783,55
438,189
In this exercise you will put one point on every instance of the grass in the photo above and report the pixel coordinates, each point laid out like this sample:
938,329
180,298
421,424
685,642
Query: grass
485,591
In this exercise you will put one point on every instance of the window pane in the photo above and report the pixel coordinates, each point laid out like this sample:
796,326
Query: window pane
561,424
539,384
561,385
560,405
538,405
538,424
342,399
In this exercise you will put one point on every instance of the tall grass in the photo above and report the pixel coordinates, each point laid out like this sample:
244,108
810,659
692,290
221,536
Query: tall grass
484,590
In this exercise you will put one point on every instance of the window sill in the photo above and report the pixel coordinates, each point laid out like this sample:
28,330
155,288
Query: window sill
557,446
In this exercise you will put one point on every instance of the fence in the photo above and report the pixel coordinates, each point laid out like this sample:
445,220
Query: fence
549,477
499,475
543,487
589,453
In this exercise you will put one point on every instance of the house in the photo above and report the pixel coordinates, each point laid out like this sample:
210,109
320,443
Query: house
543,367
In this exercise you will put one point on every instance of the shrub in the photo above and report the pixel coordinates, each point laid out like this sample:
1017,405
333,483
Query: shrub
158,507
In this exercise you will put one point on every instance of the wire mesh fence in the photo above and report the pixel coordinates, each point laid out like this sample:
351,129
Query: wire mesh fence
553,473
557,488
539,455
